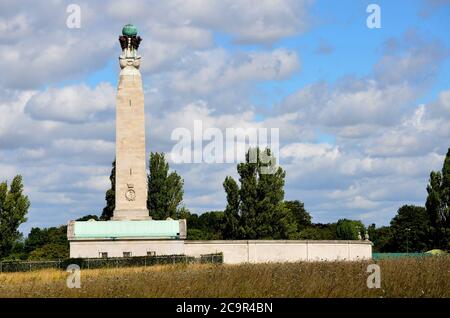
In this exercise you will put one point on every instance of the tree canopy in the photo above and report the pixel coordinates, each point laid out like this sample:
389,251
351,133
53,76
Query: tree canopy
438,205
165,190
256,208
13,210
410,229
110,196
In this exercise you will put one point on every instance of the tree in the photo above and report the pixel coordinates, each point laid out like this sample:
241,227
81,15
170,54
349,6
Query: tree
17,250
191,219
110,196
381,238
310,233
38,237
319,231
445,190
261,210
302,217
438,205
197,235
51,251
165,190
212,224
231,214
207,226
174,194
410,229
248,198
13,209
349,229
89,217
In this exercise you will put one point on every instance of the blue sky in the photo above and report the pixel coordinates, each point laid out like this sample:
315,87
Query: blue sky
353,48
364,114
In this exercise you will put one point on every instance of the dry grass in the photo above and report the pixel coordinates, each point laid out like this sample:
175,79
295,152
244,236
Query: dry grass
408,277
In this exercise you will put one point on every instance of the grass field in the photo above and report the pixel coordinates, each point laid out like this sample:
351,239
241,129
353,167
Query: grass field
406,277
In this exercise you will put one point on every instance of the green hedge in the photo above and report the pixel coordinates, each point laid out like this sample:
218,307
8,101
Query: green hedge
112,262
378,256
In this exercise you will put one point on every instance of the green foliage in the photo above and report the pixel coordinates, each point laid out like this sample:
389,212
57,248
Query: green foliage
197,235
191,219
256,210
17,251
248,199
381,238
212,224
302,217
48,243
89,217
207,226
51,251
438,205
319,231
349,229
13,209
231,213
38,238
165,190
110,196
446,188
410,229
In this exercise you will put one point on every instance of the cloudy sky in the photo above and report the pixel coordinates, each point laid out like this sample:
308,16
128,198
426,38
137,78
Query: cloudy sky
363,114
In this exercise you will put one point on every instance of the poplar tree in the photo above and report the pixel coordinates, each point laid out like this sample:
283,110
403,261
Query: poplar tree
260,210
165,190
231,229
110,196
13,209
438,204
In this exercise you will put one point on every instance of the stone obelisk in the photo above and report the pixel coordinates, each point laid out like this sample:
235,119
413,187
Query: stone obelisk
131,174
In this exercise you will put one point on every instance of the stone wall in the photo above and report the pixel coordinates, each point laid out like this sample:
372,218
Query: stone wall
116,248
235,252
259,251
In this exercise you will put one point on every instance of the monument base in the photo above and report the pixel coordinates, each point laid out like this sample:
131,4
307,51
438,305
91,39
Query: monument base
94,239
131,215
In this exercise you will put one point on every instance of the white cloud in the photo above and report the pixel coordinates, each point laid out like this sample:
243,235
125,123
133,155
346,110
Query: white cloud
211,71
441,108
368,106
48,52
94,183
13,27
73,104
410,59
300,151
83,146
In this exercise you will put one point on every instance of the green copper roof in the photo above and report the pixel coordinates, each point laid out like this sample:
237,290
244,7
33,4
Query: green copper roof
129,30
117,229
